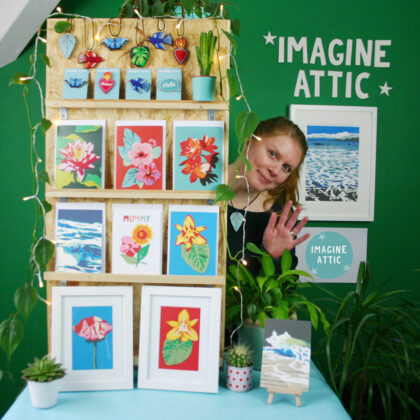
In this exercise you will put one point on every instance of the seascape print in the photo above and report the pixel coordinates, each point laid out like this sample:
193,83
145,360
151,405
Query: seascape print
332,163
286,354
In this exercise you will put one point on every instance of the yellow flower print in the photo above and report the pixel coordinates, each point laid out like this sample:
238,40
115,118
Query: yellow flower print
183,328
190,234
142,234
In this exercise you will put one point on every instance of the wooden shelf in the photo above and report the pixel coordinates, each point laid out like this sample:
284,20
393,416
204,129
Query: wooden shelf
135,279
131,194
128,104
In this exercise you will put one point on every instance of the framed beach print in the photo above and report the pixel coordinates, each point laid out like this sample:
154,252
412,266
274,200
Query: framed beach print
80,154
92,336
198,155
137,238
80,237
140,155
179,338
338,176
193,240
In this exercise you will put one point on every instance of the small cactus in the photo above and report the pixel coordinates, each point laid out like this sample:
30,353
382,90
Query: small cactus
43,370
239,355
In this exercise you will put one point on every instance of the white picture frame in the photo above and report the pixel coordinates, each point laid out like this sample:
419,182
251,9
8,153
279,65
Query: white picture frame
192,375
93,362
342,138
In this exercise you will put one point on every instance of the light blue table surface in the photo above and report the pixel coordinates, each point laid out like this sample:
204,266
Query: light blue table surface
142,404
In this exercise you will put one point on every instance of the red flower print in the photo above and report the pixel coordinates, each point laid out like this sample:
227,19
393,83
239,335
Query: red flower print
148,174
191,148
196,168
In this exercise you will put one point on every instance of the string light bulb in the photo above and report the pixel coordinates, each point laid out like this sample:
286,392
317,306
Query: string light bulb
256,137
58,9
221,11
28,198
136,11
42,39
239,97
178,25
97,37
244,261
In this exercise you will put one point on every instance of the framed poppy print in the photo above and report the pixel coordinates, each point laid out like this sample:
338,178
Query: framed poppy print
92,336
179,338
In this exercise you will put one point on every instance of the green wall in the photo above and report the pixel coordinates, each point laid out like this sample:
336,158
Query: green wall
392,237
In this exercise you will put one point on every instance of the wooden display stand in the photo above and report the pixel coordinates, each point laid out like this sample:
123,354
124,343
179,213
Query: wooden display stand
113,110
276,390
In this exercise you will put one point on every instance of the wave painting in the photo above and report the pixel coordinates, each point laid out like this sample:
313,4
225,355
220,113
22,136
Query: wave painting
332,163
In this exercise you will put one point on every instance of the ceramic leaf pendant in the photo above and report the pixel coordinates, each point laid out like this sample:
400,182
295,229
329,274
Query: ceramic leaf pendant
180,53
236,219
140,54
67,43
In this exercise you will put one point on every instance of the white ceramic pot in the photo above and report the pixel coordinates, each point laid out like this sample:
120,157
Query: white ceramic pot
239,379
43,394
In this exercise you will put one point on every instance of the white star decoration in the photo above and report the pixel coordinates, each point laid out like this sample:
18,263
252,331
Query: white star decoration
346,267
385,89
269,38
322,236
315,270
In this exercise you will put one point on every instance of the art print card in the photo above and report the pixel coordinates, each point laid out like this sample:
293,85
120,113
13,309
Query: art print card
80,237
137,238
169,84
193,235
79,154
286,355
75,84
198,155
107,83
140,155
138,84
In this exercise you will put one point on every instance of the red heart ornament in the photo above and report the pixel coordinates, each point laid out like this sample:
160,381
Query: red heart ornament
106,84
180,55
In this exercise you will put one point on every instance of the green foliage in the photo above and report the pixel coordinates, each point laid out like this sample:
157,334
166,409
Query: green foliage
16,79
43,370
44,250
371,351
224,193
176,351
245,124
239,355
26,297
205,52
11,334
45,125
62,27
46,60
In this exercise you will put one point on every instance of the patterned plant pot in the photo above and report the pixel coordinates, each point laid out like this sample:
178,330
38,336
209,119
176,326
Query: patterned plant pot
239,379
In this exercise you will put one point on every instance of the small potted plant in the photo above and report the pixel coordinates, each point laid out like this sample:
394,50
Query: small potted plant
239,368
204,85
42,376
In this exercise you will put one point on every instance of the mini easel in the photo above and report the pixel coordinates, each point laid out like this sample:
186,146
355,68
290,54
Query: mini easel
276,390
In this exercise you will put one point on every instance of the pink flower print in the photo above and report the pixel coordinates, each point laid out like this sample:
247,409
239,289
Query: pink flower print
148,174
129,247
78,156
92,328
152,142
141,154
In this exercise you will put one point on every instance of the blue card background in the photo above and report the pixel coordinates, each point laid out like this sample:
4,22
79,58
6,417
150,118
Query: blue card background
74,92
114,93
130,93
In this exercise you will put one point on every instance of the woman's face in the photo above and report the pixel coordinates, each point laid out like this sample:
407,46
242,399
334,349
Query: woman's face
273,159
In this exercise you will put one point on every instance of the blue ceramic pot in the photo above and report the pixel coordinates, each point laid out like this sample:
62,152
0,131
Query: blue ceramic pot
203,88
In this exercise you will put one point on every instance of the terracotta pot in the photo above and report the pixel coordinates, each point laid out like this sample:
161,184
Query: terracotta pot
43,394
239,379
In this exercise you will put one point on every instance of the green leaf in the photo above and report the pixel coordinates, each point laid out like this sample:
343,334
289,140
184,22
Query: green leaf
232,41
128,259
46,60
245,124
252,311
198,257
45,125
261,281
175,351
62,27
43,252
246,161
16,79
286,261
43,176
142,253
233,83
26,297
281,311
158,8
130,178
188,4
253,248
156,152
224,193
268,264
262,316
11,334
235,26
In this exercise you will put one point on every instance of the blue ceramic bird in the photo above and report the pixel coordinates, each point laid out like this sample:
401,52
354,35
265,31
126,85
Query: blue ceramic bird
159,38
140,84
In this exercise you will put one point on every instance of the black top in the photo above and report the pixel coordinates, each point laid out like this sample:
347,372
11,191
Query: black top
256,222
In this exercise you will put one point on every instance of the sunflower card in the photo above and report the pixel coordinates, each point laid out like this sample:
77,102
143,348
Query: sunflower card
193,240
137,238
80,154
198,154
140,155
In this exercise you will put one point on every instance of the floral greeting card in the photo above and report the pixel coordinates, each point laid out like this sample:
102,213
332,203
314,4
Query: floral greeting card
137,238
140,155
80,233
79,154
193,240
198,154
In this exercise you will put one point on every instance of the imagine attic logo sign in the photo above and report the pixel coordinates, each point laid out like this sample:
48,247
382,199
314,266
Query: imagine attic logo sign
337,52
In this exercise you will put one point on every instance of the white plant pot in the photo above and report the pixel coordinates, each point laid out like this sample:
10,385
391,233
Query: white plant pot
239,379
44,394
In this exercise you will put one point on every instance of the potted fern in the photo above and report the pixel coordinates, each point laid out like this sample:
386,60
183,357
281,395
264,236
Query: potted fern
239,368
204,85
42,377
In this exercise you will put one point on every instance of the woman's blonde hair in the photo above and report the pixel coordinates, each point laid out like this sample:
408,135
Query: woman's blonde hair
283,126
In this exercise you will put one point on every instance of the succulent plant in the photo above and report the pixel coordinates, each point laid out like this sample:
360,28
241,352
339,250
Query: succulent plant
239,355
43,370
205,52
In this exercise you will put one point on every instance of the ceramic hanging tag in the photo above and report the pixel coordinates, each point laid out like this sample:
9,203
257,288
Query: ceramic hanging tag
116,42
140,54
180,52
158,39
89,58
67,42
236,219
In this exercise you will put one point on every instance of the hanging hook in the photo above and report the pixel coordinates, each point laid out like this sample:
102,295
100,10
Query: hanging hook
158,24
179,25
137,31
110,30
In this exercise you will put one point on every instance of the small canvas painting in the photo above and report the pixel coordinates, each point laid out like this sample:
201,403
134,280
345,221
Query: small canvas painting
286,356
198,155
137,238
92,337
179,341
332,163
193,240
79,154
140,155
80,233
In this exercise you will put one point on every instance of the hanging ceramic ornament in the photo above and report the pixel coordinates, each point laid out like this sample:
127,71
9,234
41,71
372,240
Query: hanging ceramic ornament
89,57
158,39
116,42
67,42
180,53
140,54
236,219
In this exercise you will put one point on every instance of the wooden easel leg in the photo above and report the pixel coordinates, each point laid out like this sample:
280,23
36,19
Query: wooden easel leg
270,397
298,403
